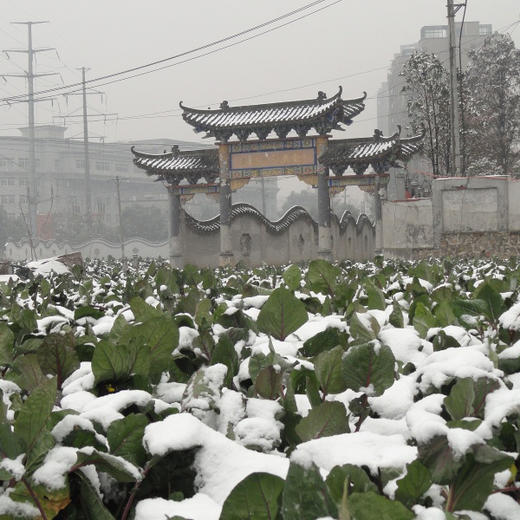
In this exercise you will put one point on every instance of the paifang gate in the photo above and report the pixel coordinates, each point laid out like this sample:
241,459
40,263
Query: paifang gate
275,139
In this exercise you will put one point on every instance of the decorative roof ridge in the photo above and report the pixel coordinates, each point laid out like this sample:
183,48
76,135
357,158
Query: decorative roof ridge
414,138
320,100
278,226
175,152
357,141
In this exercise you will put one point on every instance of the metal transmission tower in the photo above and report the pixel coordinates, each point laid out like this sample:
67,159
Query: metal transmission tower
456,159
85,116
32,192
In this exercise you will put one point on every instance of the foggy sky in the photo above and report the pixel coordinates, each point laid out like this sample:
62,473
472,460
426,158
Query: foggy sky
351,38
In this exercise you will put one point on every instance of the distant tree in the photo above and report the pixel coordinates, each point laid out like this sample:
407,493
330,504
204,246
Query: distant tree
493,107
427,87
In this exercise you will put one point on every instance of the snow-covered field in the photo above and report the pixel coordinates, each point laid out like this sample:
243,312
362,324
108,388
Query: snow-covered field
349,391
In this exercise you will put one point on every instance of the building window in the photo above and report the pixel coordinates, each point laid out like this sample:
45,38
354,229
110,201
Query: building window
484,30
22,199
121,167
5,163
57,165
103,166
100,206
10,182
11,199
23,182
4,199
75,206
80,164
434,32
23,162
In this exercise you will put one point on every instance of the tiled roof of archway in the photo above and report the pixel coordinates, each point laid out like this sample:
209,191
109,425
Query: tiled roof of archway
322,113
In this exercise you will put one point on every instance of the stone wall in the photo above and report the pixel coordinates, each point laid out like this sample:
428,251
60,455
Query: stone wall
474,217
293,238
255,240
407,228
501,244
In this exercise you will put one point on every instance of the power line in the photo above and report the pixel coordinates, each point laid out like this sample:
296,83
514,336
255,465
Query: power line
185,53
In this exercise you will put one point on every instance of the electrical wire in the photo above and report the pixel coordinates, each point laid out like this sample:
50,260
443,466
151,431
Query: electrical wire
184,53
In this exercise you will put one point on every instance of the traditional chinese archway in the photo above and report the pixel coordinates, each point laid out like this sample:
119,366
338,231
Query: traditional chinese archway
239,157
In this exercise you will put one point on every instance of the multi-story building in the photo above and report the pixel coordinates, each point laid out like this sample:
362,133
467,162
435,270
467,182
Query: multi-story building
392,107
60,170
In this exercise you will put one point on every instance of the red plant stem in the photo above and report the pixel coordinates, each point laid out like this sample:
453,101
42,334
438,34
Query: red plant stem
131,498
35,499
509,489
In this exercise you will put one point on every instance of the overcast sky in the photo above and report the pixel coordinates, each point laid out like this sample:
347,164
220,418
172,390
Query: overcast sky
349,44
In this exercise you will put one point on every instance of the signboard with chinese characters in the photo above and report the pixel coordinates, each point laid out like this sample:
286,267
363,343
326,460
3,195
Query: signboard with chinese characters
293,156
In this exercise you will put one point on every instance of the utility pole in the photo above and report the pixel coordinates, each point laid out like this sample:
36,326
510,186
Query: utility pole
88,193
33,184
454,98
85,115
121,235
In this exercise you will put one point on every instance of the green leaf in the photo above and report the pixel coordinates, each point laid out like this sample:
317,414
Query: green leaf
305,495
203,312
329,418
323,341
31,421
460,401
361,332
118,362
329,371
474,481
444,314
482,387
58,357
366,365
268,382
161,336
354,478
442,341
225,353
87,311
142,311
396,317
414,484
125,438
474,307
91,504
292,277
494,303
255,497
321,277
24,318
423,320
6,344
9,444
437,456
168,278
43,443
28,374
51,501
376,298
115,466
281,314
370,506
118,330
